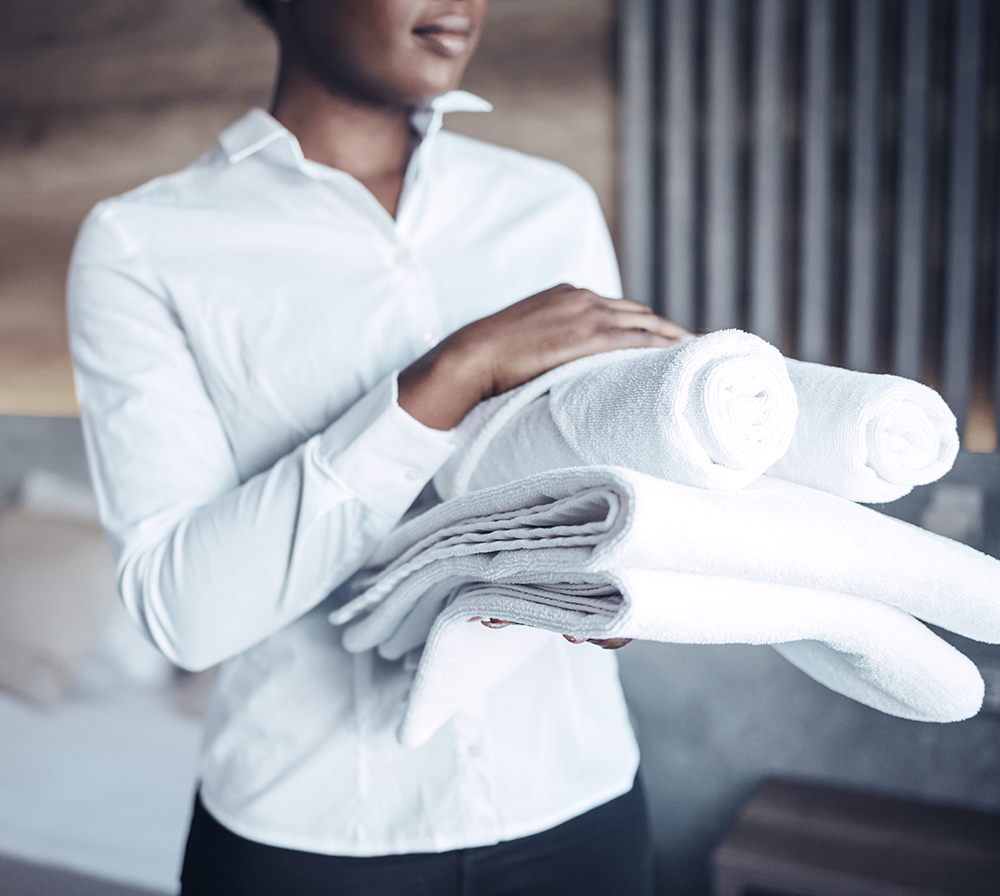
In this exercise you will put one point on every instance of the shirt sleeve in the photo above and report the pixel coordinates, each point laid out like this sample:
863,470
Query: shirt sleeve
598,262
209,565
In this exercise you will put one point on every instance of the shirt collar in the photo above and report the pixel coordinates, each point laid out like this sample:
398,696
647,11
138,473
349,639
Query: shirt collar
427,120
257,130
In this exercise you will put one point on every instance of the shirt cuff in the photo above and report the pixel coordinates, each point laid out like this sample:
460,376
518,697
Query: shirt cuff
381,453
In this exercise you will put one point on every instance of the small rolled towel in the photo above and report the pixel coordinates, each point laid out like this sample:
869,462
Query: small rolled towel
713,412
866,437
604,552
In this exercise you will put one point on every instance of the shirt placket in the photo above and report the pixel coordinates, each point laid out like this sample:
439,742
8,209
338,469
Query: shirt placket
415,299
476,778
413,294
421,305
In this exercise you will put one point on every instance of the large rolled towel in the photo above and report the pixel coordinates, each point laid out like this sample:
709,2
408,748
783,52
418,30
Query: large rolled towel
713,412
603,552
866,437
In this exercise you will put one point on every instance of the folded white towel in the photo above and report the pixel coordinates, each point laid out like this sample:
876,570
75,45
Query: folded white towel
866,437
771,563
868,651
713,412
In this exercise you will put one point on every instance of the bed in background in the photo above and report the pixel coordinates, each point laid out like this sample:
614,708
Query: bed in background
98,733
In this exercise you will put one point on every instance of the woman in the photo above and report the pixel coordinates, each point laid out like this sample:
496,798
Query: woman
237,328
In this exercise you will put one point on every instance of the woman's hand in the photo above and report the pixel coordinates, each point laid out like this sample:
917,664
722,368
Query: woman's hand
606,643
524,340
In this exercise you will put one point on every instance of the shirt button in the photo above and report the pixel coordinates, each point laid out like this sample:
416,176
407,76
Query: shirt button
430,338
411,474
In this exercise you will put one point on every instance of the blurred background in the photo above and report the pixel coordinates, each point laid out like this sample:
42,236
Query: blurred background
823,172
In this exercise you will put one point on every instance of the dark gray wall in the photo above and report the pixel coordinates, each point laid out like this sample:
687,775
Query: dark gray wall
713,721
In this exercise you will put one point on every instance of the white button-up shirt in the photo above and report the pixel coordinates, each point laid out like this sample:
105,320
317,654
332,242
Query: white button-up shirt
236,329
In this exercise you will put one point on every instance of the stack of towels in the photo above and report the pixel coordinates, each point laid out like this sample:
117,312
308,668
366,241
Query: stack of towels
716,412
699,494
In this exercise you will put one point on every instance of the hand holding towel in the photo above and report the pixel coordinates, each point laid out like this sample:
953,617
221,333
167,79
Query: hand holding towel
602,552
713,412
870,652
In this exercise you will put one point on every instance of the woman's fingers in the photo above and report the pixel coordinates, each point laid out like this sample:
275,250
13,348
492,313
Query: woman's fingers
611,643
496,623
563,324
606,643
629,320
523,341
646,318
491,622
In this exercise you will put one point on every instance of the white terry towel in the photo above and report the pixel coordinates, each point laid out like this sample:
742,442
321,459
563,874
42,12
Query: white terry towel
604,552
868,651
866,437
713,412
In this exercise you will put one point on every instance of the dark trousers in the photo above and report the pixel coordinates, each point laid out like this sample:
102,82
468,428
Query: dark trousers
604,852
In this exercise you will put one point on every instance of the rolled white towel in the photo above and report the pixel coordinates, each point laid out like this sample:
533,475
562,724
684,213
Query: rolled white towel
866,437
713,412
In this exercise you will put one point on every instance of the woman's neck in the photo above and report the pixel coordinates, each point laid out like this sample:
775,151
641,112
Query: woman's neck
371,143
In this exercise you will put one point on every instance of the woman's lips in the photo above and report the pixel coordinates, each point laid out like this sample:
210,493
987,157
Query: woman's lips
449,36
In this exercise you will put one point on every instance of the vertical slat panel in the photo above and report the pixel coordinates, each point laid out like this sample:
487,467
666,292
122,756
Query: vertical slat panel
963,181
637,54
909,297
816,183
722,256
767,172
863,229
996,332
699,211
680,181
991,107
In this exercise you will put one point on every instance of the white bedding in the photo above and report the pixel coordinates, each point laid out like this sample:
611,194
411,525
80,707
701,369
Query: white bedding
101,785
99,778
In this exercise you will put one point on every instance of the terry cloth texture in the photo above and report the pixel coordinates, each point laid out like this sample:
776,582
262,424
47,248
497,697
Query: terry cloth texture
864,436
605,552
713,412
